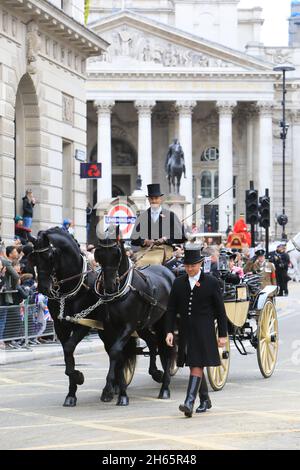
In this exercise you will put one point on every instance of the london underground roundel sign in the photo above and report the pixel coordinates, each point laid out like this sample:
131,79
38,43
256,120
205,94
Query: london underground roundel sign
121,214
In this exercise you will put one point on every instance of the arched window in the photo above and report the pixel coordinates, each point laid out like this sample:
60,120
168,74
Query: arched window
211,154
206,186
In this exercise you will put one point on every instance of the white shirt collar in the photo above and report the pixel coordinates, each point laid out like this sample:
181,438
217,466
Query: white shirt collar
156,210
196,277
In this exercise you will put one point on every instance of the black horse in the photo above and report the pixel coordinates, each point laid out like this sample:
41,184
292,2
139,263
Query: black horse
136,302
69,283
65,278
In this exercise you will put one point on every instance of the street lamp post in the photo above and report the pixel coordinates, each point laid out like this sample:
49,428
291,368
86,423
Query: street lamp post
282,219
228,212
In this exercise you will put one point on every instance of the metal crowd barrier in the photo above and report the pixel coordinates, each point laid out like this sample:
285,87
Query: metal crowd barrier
24,323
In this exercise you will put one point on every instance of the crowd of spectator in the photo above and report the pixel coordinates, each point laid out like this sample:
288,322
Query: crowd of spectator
18,279
17,286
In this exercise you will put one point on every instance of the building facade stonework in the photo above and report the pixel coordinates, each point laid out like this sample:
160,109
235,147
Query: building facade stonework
197,71
43,54
142,73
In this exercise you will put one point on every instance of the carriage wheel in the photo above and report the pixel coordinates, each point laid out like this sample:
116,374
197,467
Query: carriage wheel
217,376
267,339
129,369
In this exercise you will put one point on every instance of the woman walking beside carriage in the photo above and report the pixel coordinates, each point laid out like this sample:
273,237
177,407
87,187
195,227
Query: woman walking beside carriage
197,298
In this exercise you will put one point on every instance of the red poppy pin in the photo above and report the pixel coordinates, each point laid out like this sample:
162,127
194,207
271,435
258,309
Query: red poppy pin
198,284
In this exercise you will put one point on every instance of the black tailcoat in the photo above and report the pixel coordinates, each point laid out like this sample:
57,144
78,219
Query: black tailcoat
197,310
167,225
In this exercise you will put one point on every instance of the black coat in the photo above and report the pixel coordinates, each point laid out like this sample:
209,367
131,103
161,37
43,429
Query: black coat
167,225
197,310
27,207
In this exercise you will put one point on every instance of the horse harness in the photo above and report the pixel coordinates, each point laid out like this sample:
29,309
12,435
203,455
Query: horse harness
55,284
104,299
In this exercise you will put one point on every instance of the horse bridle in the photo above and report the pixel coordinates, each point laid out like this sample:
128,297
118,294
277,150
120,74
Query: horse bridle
113,244
55,284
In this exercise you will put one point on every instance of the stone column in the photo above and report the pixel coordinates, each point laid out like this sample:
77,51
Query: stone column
144,109
294,224
225,109
173,124
265,161
185,110
250,170
104,184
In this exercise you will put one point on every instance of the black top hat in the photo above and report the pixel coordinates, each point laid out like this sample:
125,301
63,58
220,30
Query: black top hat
260,252
154,190
192,256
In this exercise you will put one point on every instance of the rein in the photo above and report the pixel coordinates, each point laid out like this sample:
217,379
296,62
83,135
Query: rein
54,289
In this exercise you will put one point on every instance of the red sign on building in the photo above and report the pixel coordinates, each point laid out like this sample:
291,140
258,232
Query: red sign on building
90,170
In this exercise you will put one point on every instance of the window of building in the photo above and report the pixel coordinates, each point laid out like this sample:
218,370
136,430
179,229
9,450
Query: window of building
206,184
234,187
216,184
209,184
211,154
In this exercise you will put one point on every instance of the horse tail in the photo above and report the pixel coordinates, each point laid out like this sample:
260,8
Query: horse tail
130,359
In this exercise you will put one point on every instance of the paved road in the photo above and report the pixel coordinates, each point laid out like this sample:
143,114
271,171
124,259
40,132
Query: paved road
250,413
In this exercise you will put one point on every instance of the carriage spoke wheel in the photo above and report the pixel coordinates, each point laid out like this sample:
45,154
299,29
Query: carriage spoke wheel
267,339
217,376
129,369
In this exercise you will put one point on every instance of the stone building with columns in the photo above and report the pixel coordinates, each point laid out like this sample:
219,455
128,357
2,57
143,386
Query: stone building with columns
196,70
43,50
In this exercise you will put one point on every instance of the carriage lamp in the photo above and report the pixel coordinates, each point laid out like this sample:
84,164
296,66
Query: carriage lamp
284,126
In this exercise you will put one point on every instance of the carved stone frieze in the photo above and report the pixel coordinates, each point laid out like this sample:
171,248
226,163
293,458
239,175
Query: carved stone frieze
68,109
33,44
279,55
122,153
141,47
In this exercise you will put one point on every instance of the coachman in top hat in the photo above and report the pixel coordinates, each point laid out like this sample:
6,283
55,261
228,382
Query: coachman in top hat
157,225
197,299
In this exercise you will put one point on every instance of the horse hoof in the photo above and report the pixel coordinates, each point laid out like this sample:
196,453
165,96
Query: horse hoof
123,401
106,397
164,394
70,401
157,376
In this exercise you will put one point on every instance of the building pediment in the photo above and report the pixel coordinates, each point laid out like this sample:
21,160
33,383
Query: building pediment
136,41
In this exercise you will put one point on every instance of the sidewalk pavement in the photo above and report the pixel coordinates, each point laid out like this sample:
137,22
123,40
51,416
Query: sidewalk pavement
45,351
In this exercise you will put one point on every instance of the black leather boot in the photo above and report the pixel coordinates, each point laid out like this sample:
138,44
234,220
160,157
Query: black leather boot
193,387
205,403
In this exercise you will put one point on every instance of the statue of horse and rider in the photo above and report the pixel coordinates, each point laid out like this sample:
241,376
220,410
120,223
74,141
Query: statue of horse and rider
175,166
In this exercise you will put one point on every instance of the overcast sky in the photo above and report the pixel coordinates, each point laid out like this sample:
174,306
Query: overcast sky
276,12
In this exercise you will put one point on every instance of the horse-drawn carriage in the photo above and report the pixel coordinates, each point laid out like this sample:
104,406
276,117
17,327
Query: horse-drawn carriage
251,314
252,317
137,300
